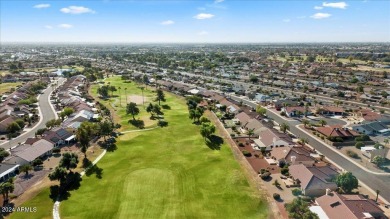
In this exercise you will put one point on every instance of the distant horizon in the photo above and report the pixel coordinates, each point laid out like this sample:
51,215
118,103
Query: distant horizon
206,21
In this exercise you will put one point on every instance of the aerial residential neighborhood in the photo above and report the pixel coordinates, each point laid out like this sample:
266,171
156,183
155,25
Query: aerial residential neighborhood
195,109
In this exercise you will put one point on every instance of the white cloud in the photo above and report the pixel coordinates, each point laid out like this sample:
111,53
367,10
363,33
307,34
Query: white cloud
202,33
341,5
320,15
218,1
65,26
203,16
286,20
318,7
76,10
39,6
48,27
168,22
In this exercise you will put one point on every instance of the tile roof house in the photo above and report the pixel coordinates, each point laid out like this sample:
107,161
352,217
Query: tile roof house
336,131
292,111
243,118
254,124
293,155
332,110
335,206
273,138
25,154
313,180
5,122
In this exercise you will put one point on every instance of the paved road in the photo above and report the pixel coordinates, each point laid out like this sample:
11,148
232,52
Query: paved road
47,114
373,181
289,92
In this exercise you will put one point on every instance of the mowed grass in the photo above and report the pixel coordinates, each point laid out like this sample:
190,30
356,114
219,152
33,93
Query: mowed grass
6,87
118,102
166,173
43,205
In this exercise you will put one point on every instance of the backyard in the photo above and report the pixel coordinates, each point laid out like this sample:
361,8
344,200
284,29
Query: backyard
166,172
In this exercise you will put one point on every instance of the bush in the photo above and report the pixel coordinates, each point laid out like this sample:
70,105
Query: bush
261,171
322,137
339,139
265,175
246,153
359,145
284,171
296,192
241,144
283,114
276,196
162,123
56,150
232,135
352,154
37,162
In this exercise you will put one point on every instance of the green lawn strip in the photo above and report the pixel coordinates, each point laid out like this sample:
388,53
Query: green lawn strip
166,173
43,205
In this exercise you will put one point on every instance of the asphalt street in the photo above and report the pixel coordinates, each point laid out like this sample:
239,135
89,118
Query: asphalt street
47,114
374,181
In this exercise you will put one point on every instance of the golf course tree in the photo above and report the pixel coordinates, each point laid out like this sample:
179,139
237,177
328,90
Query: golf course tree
298,208
347,182
3,154
6,188
103,91
83,138
154,110
206,130
69,161
25,168
58,174
149,109
112,89
106,128
196,113
132,109
160,96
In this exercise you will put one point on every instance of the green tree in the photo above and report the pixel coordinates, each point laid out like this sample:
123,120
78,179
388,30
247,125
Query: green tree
25,168
132,109
106,128
3,154
254,79
58,174
160,96
305,122
359,144
13,127
378,160
250,133
83,138
207,129
69,161
21,123
149,109
68,111
6,188
322,122
112,89
347,182
204,119
284,127
103,91
261,110
298,208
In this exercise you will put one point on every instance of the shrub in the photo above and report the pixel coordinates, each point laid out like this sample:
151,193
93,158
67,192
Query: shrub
265,175
352,154
296,192
283,114
276,196
246,153
37,162
162,123
56,150
232,135
339,139
284,171
359,145
322,137
241,144
261,171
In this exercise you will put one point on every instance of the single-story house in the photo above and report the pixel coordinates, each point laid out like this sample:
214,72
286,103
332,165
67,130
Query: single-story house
335,206
370,128
293,111
293,155
273,138
332,110
313,180
336,131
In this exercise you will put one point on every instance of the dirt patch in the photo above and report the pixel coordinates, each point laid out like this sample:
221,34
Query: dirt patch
137,99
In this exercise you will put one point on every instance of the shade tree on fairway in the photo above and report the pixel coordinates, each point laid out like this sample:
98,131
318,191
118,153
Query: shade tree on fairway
207,129
196,113
69,161
132,109
160,96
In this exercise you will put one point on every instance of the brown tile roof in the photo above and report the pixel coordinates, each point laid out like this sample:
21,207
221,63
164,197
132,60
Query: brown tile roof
243,117
290,109
333,109
31,141
268,136
336,131
300,153
348,206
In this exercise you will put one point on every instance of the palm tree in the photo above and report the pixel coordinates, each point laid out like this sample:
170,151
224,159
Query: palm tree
305,122
386,141
25,168
142,90
251,132
284,127
6,188
303,141
337,102
126,94
120,102
322,122
377,194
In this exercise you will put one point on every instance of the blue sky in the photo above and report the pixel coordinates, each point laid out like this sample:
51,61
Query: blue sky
210,21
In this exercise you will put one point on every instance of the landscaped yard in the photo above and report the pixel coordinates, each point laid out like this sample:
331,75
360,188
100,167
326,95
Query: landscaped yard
5,87
163,173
